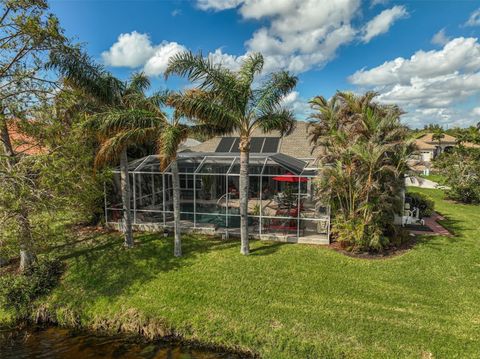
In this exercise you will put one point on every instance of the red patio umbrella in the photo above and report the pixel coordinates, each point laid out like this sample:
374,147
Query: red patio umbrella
289,177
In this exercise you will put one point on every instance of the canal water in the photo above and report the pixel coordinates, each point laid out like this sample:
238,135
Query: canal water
56,342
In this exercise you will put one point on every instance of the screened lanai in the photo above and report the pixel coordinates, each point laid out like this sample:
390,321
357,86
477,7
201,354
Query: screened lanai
282,200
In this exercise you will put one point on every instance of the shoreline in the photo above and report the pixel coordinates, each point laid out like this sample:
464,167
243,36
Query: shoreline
171,339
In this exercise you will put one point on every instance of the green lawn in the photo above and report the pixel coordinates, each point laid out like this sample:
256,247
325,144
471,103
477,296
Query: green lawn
440,179
284,300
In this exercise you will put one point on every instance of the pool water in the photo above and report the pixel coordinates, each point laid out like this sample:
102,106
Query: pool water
211,213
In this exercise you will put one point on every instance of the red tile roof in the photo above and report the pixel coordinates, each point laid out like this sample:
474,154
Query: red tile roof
22,143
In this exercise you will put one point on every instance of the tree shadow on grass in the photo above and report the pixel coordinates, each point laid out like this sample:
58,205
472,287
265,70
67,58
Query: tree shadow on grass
267,248
104,269
454,226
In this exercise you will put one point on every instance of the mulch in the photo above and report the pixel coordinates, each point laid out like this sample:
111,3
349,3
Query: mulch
389,252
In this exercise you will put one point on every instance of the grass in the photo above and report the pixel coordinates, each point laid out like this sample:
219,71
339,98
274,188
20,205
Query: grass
284,301
435,177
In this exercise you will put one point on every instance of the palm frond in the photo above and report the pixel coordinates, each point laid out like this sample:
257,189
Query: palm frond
214,78
201,107
138,82
115,120
112,147
251,66
81,72
271,94
199,69
169,141
282,121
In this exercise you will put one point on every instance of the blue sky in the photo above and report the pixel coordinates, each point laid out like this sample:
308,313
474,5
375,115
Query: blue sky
422,55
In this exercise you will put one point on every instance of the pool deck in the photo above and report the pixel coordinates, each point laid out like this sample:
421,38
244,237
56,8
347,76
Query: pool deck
210,229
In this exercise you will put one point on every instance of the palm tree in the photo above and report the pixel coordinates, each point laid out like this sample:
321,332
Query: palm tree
228,100
133,120
438,135
168,142
125,115
362,166
174,132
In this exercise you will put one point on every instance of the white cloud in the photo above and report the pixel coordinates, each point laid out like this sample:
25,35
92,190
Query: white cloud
158,62
230,61
299,106
218,5
130,50
298,35
429,84
474,19
378,2
381,23
298,45
440,38
136,50
475,111
460,54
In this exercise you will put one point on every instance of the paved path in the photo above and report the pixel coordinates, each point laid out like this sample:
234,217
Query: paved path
422,183
436,227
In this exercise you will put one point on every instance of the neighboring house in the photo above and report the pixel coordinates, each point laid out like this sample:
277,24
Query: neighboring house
281,190
22,143
187,144
429,148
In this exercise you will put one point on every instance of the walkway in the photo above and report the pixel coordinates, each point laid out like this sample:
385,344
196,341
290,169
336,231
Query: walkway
436,228
422,183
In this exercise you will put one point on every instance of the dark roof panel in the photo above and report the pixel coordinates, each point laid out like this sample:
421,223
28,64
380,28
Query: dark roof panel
294,165
271,145
235,147
256,144
225,144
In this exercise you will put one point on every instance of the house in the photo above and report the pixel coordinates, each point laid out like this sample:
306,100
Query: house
22,143
429,148
188,143
282,205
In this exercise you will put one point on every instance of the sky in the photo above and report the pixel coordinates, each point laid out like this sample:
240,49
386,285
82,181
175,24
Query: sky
422,55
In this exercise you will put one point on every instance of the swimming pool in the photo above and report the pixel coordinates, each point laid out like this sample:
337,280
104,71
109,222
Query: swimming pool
212,213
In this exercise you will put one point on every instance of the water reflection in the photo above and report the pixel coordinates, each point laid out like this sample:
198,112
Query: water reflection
62,343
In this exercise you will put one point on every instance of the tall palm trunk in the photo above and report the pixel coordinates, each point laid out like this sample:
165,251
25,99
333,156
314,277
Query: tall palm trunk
244,159
27,255
126,196
176,209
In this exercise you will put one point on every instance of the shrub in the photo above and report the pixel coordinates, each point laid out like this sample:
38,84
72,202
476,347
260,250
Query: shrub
17,291
421,201
354,235
461,169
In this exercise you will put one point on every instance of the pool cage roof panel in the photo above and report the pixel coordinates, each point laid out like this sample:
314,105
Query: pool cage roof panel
221,164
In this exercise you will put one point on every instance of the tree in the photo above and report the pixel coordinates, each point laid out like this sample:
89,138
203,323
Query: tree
363,166
133,119
173,133
125,115
461,170
438,135
228,100
28,34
